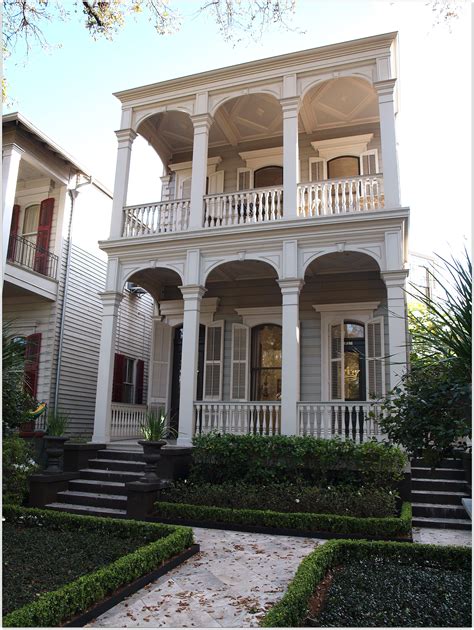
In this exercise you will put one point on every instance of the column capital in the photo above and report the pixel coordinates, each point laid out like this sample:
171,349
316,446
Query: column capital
192,291
202,122
11,149
385,88
291,285
394,278
125,137
290,105
111,298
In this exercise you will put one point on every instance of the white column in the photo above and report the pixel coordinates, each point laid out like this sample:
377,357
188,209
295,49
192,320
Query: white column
397,324
192,295
290,155
202,124
385,90
111,302
11,156
125,139
290,360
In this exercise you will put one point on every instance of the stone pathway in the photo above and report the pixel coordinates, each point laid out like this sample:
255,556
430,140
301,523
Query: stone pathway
232,582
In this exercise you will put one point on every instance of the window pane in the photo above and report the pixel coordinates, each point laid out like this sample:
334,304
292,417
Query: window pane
351,376
268,176
31,219
354,331
347,166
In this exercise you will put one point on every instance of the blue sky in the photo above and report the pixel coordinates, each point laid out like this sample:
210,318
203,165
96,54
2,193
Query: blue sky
67,93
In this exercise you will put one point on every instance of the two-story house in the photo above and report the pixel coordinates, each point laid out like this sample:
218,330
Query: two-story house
277,253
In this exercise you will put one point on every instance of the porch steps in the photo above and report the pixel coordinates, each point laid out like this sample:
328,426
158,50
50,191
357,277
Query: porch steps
437,495
100,488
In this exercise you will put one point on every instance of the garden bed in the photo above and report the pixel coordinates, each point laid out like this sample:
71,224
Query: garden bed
349,583
60,566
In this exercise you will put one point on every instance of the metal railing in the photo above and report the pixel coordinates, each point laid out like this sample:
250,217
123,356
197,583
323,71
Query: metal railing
23,252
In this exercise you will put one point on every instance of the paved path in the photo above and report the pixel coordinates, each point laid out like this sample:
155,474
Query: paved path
231,583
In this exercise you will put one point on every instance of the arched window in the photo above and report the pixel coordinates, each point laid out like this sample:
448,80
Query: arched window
30,222
343,166
266,362
268,176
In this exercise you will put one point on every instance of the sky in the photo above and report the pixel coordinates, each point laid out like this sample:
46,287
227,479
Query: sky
67,92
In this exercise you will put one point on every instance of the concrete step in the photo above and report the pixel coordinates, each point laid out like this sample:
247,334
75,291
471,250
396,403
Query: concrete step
124,465
438,496
94,486
94,499
436,473
434,485
418,462
438,510
109,475
442,523
134,452
87,510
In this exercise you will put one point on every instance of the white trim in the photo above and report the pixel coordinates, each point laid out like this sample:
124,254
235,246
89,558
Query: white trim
350,145
245,170
183,166
262,315
343,307
373,152
263,157
316,160
172,311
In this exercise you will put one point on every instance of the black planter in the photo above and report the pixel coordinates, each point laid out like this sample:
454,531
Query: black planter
151,455
54,447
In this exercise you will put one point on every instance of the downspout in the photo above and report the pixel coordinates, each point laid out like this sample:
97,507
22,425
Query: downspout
73,193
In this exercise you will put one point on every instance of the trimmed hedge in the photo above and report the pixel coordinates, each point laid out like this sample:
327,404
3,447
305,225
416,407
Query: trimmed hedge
292,609
258,459
389,527
56,607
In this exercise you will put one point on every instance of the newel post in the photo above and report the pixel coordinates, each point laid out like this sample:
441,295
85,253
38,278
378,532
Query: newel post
125,139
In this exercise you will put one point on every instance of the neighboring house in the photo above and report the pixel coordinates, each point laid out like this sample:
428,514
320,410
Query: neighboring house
46,196
420,278
277,254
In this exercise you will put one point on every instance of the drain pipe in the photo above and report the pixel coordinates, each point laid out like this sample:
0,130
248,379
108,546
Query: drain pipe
73,193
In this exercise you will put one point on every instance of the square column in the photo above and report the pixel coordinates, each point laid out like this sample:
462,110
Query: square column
397,324
103,414
290,155
290,360
202,124
125,139
11,157
385,90
192,296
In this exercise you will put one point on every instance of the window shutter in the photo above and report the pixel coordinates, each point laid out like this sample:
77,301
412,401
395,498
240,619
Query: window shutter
336,368
215,183
244,179
317,169
44,233
160,362
369,162
186,188
240,362
117,387
13,232
32,358
139,379
213,361
375,358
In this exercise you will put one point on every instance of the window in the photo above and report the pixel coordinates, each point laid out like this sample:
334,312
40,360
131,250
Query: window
266,362
268,176
128,380
30,222
344,166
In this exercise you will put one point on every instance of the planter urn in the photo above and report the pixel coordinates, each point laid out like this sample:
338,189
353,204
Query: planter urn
151,455
54,447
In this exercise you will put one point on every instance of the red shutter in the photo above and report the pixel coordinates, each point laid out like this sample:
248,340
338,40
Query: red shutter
32,357
44,233
13,232
139,377
117,387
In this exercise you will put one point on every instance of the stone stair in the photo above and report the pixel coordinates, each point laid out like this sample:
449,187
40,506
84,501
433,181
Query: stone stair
100,489
437,495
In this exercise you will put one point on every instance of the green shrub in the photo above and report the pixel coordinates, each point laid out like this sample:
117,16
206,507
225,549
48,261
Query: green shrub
343,500
292,609
17,465
56,607
389,527
257,459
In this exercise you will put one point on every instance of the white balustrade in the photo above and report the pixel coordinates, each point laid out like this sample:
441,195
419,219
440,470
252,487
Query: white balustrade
238,418
126,420
347,420
156,218
341,196
246,206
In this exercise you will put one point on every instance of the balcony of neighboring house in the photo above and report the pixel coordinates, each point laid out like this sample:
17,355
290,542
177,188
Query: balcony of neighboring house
318,157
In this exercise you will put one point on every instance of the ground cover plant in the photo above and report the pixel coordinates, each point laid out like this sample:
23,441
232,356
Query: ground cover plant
58,565
348,583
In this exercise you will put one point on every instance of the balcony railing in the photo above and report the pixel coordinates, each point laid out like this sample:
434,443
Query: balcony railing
247,206
358,421
238,418
156,218
23,252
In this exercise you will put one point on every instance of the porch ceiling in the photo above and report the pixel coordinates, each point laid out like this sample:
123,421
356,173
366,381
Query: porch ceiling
341,262
241,271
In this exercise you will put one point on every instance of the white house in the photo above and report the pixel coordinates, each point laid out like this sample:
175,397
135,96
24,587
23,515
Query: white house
277,254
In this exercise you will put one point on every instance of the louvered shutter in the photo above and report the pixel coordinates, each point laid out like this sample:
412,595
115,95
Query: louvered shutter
369,162
317,169
336,367
213,361
244,179
215,183
117,387
160,363
186,188
139,379
240,362
44,234
375,358
32,359
12,243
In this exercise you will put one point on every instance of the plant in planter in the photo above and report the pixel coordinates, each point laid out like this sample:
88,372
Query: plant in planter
54,440
155,431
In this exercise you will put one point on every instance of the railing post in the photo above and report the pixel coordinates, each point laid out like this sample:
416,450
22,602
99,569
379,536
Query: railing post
125,139
385,91
202,124
290,156
11,156
102,421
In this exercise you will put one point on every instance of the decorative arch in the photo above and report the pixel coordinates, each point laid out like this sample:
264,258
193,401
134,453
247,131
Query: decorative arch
218,100
307,84
212,265
335,249
139,117
127,273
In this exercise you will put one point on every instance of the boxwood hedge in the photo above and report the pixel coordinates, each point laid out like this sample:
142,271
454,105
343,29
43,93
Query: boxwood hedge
292,609
389,527
74,598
